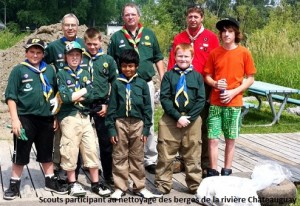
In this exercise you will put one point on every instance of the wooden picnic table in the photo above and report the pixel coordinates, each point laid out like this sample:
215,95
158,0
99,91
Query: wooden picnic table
273,92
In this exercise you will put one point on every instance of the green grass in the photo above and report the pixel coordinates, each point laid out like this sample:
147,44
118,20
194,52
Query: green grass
8,39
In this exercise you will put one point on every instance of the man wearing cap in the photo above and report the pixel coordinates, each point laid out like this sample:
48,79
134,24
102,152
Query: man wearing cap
134,36
75,88
54,54
31,85
231,62
203,41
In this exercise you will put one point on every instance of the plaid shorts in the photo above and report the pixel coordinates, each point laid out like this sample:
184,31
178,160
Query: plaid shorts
223,119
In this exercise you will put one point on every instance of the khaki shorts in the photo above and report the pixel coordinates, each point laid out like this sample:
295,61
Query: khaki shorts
223,119
78,134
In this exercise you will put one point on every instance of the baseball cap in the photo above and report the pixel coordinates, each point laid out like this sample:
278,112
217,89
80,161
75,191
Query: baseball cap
226,22
71,46
35,42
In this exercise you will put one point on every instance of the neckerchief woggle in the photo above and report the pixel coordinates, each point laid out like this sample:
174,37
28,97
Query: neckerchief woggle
181,85
193,38
47,89
91,59
137,39
128,90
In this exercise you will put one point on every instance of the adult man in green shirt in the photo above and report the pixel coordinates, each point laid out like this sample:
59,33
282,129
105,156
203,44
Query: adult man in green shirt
143,40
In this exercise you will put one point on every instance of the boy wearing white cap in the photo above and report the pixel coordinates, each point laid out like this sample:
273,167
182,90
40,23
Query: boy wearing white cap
75,88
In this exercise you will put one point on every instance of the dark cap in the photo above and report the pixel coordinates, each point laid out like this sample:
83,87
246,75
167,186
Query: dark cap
73,45
35,42
227,22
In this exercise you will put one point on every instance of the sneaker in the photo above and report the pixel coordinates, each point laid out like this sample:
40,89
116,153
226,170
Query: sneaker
212,172
13,191
157,192
101,190
226,172
76,190
55,185
151,168
147,194
118,194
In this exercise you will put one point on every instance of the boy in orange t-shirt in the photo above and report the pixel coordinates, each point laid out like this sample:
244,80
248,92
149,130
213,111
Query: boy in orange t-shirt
225,70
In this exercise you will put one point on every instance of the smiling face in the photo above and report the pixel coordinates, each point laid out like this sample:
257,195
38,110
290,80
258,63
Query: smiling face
73,58
93,45
34,54
183,58
128,69
69,28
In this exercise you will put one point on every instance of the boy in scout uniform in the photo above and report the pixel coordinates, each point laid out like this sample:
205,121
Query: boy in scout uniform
103,71
134,36
31,85
182,98
75,87
129,121
54,54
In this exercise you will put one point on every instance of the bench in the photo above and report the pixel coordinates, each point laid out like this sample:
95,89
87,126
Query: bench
272,92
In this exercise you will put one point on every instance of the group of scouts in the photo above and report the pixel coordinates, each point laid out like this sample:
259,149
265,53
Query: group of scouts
201,95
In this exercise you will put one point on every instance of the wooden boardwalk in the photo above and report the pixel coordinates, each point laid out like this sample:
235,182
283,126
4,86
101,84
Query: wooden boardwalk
250,150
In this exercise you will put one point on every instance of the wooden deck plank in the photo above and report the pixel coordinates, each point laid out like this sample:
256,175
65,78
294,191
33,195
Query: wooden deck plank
250,149
267,151
5,166
284,150
27,189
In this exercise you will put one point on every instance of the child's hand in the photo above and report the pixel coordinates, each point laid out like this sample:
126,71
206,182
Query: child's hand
178,125
114,140
221,84
184,121
143,138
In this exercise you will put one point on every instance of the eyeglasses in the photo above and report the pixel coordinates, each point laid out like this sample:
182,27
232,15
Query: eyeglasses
70,25
196,6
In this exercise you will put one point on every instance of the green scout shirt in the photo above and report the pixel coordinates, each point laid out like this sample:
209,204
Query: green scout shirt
54,53
26,89
195,91
140,104
105,71
148,47
66,86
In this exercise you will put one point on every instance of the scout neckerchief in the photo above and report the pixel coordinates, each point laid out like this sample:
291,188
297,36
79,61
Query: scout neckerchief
66,41
76,75
193,38
47,89
181,85
137,39
91,59
128,90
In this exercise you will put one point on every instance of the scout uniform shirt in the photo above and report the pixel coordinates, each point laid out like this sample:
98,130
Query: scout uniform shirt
25,88
140,104
66,86
54,52
195,92
148,49
104,72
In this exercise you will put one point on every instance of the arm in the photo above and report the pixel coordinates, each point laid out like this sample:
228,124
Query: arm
166,98
15,121
160,68
147,111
